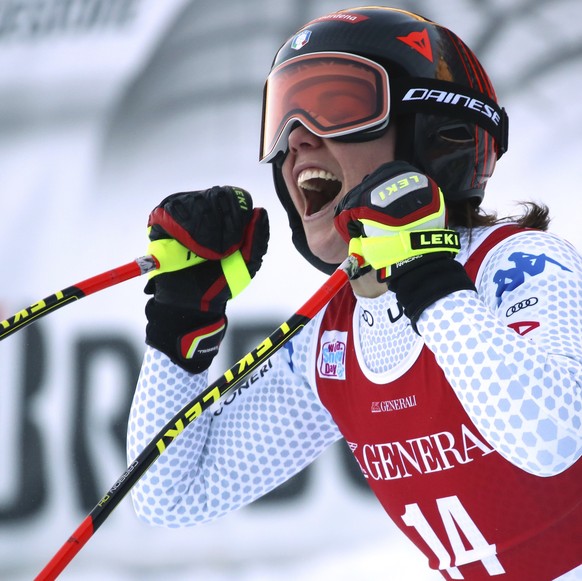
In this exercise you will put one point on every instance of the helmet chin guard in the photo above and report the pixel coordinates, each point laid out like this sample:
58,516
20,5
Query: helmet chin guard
447,118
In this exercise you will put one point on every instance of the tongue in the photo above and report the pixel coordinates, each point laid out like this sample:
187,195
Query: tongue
316,201
319,193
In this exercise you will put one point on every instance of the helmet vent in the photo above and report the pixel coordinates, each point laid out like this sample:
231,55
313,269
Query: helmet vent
456,134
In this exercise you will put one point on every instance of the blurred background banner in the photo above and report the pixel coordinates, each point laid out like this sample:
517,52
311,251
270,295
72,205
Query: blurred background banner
106,107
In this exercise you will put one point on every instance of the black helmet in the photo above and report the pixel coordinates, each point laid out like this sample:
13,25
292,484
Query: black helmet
448,121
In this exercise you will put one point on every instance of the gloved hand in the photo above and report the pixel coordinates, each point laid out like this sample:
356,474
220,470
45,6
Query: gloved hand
396,220
225,238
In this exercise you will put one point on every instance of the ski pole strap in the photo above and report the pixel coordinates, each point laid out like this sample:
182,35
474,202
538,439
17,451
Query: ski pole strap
236,272
174,256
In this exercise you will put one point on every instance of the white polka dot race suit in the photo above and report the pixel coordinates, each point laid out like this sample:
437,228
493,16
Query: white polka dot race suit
468,433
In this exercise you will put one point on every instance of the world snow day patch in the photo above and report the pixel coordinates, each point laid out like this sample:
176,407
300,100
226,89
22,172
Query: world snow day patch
331,361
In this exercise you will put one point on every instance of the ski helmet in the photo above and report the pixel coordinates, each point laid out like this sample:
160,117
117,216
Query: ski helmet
398,67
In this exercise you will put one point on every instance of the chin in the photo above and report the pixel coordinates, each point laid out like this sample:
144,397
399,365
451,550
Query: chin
331,249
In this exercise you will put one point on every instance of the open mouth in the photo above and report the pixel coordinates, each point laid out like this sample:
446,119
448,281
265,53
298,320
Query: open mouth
319,188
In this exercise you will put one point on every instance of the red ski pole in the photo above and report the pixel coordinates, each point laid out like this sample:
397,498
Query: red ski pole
75,292
192,411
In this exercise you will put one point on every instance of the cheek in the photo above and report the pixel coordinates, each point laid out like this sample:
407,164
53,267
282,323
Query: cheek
361,159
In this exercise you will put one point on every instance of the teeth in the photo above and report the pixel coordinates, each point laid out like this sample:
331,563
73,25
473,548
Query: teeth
303,180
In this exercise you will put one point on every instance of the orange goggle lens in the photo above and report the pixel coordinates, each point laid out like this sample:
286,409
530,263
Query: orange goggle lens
331,94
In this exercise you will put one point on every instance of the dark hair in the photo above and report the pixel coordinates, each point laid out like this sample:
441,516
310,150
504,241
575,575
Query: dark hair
466,214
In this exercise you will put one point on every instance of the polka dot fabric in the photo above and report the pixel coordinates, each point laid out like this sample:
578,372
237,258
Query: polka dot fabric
513,352
386,338
259,437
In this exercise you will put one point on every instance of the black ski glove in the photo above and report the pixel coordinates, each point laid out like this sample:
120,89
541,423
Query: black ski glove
396,220
219,229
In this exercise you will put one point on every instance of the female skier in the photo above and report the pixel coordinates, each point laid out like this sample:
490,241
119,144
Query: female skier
451,365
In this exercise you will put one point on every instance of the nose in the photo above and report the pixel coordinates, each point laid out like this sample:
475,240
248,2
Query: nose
300,137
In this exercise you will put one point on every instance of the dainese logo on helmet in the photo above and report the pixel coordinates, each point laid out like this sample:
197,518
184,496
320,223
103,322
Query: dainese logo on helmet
450,98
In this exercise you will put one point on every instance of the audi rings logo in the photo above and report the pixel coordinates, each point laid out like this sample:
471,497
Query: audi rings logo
521,305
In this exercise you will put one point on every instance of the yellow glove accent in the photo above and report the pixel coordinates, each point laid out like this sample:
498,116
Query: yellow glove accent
386,251
172,256
236,272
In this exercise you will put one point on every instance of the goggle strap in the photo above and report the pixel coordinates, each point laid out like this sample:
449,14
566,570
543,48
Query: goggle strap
413,95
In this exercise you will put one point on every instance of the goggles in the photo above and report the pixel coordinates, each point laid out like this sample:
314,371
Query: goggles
331,94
